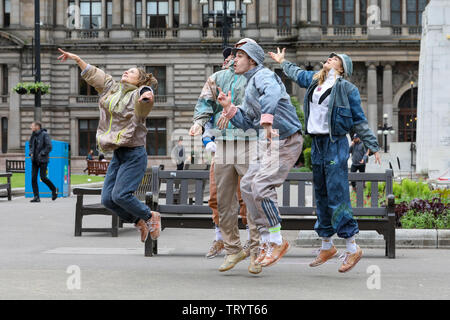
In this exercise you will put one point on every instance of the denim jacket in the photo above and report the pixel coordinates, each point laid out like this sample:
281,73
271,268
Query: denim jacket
345,113
207,110
266,101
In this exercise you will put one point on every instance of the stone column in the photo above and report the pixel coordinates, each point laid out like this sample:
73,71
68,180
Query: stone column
128,14
14,110
315,11
264,14
184,13
372,105
104,14
74,136
386,11
405,30
293,12
15,14
61,13
304,10
144,15
387,97
273,12
196,14
116,13
1,79
2,9
330,18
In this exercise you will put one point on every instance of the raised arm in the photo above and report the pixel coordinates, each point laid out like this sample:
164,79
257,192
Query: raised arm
302,77
93,76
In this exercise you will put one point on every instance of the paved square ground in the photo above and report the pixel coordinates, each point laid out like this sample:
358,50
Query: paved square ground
37,249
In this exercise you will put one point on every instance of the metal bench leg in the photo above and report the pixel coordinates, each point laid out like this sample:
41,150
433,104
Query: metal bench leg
114,225
78,223
391,239
148,247
155,246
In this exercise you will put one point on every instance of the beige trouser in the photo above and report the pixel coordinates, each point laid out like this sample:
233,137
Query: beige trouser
226,176
263,176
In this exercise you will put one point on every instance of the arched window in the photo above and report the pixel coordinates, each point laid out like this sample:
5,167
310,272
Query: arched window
407,116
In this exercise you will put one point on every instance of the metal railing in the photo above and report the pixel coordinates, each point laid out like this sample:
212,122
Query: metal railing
87,33
156,33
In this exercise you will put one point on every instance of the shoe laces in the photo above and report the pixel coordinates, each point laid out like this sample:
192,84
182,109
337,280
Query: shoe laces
269,250
246,245
344,256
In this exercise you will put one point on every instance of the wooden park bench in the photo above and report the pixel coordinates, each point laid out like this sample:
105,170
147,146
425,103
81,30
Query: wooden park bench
181,214
15,166
6,185
96,167
83,209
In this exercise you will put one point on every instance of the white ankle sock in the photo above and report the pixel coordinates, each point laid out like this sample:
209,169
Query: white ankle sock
275,234
351,244
327,243
265,237
248,232
218,234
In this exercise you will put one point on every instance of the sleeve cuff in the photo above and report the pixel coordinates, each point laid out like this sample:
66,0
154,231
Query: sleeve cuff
145,89
266,118
85,70
231,112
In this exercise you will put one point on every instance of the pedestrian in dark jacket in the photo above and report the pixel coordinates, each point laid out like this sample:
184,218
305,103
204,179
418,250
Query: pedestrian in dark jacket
359,157
40,147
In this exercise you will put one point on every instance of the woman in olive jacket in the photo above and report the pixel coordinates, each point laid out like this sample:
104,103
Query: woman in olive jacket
123,106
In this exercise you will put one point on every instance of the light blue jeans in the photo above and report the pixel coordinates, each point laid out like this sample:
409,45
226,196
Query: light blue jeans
125,173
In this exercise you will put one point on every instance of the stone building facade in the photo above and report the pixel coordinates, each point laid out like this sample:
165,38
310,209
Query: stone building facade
180,41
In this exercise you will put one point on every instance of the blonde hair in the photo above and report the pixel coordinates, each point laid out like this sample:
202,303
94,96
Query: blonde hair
146,79
322,74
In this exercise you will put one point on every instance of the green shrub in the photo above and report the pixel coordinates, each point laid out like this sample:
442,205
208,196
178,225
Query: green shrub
412,220
307,155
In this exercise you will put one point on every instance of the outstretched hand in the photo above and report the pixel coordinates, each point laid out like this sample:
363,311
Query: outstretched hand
67,55
224,99
279,56
377,157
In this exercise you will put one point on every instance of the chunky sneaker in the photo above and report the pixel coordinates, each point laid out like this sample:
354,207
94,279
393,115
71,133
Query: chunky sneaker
231,260
246,248
216,248
254,267
350,260
262,253
154,225
324,256
275,253
143,228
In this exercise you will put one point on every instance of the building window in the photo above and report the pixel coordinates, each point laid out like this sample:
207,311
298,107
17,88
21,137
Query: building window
159,72
157,14
4,135
363,12
287,82
156,137
138,14
109,14
87,131
4,81
6,13
90,14
176,13
396,12
344,12
414,10
284,13
407,116
324,12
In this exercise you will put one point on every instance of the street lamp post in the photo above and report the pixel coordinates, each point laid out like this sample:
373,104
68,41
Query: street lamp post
225,20
385,130
37,55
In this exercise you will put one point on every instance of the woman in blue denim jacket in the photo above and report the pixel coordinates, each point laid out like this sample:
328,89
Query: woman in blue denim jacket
332,108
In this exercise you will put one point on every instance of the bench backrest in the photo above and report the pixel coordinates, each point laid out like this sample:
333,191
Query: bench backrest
97,167
295,180
15,166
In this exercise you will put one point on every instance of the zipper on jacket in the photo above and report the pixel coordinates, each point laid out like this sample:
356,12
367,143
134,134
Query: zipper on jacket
111,117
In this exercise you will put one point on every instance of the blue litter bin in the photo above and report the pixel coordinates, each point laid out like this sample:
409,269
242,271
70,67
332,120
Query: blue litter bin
58,171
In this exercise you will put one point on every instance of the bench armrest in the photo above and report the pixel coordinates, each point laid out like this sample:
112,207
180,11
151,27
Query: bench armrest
5,175
87,191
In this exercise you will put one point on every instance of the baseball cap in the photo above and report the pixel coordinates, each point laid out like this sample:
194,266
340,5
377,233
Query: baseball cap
347,63
226,52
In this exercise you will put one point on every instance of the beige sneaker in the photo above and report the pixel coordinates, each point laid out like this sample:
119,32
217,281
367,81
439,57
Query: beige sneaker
262,253
254,267
231,260
350,260
154,225
216,248
275,253
324,256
